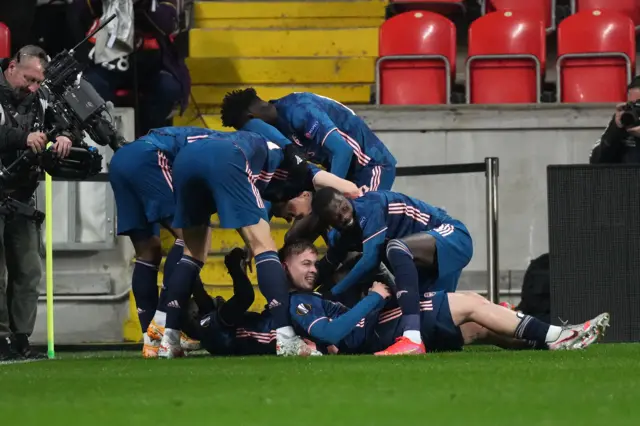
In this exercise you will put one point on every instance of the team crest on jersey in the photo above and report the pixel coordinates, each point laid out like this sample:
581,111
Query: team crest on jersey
429,294
303,309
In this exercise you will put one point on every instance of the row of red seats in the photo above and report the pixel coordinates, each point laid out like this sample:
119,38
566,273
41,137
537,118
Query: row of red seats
506,58
544,9
5,41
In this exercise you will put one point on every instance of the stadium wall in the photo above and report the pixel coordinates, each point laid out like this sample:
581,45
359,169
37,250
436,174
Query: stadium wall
525,138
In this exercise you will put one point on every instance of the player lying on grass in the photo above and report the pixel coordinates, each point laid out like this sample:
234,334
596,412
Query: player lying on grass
426,249
226,173
447,321
225,327
140,176
329,133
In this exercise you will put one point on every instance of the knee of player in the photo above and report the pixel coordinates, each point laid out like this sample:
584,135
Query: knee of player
258,237
148,249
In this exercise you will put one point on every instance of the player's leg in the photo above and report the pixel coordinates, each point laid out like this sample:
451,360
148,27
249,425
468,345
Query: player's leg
470,307
442,253
141,185
401,260
158,324
240,207
194,206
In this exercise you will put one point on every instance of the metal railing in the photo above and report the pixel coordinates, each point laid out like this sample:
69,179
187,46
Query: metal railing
490,168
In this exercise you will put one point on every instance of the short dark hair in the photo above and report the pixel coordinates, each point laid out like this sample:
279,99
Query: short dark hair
32,51
295,248
322,200
235,106
635,83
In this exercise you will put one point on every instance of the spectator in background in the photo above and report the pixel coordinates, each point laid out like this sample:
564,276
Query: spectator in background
162,75
619,144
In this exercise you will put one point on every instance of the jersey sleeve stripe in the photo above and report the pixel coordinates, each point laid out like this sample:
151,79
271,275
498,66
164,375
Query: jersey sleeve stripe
363,158
374,235
375,178
314,323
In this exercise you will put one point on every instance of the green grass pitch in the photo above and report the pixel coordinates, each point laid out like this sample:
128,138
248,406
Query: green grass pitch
480,386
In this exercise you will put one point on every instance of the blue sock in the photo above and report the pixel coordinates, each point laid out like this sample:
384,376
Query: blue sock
531,328
173,257
273,284
401,261
144,284
179,289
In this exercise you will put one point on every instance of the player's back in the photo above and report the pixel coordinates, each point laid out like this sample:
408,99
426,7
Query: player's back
171,140
263,157
300,107
404,215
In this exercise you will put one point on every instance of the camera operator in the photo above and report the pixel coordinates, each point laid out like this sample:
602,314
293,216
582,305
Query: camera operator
620,142
23,113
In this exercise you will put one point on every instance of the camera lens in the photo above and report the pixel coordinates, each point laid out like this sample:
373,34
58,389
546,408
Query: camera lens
628,119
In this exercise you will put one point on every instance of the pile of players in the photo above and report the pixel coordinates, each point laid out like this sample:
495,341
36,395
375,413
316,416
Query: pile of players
387,284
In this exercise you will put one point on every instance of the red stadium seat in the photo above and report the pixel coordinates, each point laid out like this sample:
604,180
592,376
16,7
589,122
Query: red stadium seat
596,56
545,9
417,59
5,41
443,7
507,56
631,8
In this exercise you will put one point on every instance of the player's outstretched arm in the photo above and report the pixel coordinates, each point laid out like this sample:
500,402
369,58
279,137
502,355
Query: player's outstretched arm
319,327
369,261
341,153
243,294
272,134
317,125
323,179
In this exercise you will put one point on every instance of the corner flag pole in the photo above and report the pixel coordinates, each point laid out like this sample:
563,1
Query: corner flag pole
49,262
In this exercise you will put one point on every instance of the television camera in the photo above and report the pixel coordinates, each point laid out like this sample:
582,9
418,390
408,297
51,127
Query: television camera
76,109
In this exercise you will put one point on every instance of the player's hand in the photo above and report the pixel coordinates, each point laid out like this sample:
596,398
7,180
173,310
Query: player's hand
62,147
36,141
619,109
236,260
381,289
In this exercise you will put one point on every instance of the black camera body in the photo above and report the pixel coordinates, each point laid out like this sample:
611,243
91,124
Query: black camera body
76,106
630,116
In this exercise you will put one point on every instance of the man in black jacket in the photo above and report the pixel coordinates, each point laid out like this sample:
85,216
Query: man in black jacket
23,115
617,144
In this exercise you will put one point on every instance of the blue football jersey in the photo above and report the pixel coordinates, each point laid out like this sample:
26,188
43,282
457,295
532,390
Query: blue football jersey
330,134
330,323
381,216
171,139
